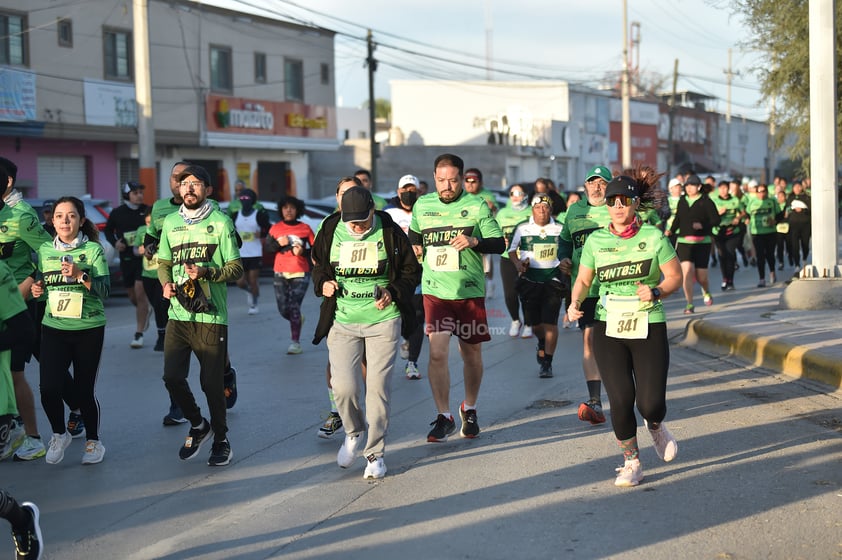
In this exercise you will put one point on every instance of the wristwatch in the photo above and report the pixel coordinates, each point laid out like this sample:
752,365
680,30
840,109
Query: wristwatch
85,277
656,294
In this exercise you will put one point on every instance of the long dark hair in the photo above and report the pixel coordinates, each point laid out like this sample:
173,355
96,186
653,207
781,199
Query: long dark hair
646,177
87,227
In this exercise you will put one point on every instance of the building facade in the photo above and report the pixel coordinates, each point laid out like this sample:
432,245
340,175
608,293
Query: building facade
247,96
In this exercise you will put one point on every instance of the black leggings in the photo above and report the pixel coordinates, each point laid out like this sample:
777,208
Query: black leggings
728,245
508,274
764,247
799,237
416,339
11,511
633,371
155,295
83,350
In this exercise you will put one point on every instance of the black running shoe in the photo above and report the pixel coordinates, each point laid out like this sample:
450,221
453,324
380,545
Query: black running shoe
195,438
159,344
29,544
220,454
546,370
174,417
470,426
442,427
230,380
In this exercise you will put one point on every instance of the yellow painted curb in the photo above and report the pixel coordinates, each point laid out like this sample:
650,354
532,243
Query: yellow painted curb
769,352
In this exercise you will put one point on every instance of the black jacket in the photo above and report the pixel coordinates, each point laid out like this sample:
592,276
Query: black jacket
703,211
403,270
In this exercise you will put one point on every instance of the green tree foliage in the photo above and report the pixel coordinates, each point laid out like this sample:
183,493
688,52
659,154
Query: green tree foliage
780,30
382,109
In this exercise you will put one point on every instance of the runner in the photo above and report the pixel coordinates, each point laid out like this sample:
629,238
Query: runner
763,213
252,225
77,283
630,335
729,232
582,219
198,255
695,217
291,241
515,212
534,253
452,229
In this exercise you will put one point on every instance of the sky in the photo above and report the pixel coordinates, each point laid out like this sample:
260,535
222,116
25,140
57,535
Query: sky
580,42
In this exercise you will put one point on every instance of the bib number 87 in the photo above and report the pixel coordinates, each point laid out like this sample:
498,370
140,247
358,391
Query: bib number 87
62,304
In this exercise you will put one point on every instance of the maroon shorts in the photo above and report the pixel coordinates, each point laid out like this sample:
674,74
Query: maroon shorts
463,317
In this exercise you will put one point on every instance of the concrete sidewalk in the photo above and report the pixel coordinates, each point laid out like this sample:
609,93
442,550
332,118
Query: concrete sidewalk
802,344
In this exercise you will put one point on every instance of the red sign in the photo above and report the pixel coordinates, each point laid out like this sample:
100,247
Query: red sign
269,118
644,143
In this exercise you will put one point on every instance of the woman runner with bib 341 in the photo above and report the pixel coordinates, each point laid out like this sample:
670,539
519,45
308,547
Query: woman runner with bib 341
629,259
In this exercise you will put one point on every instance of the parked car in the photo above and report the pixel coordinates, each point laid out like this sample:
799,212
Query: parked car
97,211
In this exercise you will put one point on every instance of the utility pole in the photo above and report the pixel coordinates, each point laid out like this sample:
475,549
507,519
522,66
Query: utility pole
489,26
372,126
670,145
729,73
626,124
143,99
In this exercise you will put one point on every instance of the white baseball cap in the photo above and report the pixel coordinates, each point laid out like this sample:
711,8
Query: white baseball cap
407,180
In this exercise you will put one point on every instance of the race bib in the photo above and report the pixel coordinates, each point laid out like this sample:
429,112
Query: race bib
247,236
544,252
150,264
358,254
624,319
443,259
67,305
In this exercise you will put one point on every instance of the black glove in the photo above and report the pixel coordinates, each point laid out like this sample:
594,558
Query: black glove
192,298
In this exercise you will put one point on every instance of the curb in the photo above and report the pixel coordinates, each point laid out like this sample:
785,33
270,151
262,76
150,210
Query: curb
764,351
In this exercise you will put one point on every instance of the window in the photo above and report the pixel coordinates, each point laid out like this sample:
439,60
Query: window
293,80
118,54
325,73
65,32
220,69
260,67
12,39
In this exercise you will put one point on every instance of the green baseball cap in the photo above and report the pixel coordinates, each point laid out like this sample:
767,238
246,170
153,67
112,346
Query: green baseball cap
598,171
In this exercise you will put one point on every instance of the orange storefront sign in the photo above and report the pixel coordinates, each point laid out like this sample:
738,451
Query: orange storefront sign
238,115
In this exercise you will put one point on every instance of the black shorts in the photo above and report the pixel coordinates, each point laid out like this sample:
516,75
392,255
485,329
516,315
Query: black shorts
252,263
697,253
588,308
541,301
132,271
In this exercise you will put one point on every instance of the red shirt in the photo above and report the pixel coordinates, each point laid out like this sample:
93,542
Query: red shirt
285,261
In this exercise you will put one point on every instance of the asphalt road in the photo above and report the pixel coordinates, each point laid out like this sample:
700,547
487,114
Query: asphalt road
757,475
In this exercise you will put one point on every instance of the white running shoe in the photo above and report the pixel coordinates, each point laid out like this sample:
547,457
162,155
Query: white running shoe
58,443
665,445
253,310
375,468
294,348
94,452
249,299
405,350
412,371
527,332
14,435
137,341
514,330
630,474
349,451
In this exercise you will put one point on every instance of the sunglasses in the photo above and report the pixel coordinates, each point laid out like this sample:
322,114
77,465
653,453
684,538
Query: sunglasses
625,201
517,193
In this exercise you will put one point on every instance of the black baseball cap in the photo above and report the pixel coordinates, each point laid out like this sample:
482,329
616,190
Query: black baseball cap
198,172
622,185
356,204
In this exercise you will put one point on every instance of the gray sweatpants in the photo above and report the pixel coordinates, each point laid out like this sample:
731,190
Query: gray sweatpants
346,344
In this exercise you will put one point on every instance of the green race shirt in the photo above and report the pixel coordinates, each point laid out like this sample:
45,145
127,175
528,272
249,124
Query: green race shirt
149,266
71,307
762,214
451,274
160,210
619,264
508,218
539,244
581,221
21,234
211,242
733,207
11,304
360,266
